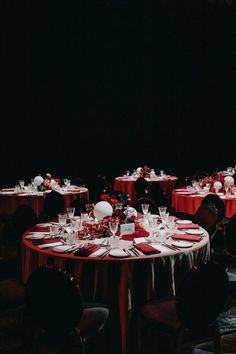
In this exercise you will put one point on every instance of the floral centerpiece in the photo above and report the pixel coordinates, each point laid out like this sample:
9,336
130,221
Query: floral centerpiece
101,229
46,182
143,171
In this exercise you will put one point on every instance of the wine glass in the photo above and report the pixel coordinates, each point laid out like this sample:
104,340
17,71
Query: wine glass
21,183
145,208
113,226
114,240
70,212
89,208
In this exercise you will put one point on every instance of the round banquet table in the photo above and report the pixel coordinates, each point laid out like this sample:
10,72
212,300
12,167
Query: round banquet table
10,200
126,184
124,284
189,202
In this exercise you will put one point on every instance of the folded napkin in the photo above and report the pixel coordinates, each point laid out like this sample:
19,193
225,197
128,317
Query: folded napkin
187,226
86,250
43,241
40,229
186,237
147,249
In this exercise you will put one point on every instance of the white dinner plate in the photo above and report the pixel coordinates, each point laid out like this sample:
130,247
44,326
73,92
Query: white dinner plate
7,193
37,236
194,232
45,224
183,222
118,253
184,244
61,249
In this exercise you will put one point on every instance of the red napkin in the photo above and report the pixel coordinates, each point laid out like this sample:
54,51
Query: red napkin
43,241
86,250
40,229
146,248
187,226
186,237
139,232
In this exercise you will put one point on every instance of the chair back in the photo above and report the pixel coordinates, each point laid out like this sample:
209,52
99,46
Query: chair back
206,216
53,300
53,204
141,187
217,202
230,235
202,295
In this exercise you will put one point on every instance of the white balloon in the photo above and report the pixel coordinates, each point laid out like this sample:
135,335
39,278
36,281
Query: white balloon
130,211
102,209
228,181
38,180
217,185
139,171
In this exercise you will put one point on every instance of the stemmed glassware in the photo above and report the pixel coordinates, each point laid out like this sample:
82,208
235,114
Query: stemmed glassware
145,208
89,208
114,240
21,183
62,217
70,212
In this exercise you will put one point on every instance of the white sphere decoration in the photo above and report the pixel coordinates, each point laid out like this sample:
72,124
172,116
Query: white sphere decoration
38,180
217,185
130,211
228,181
102,209
139,171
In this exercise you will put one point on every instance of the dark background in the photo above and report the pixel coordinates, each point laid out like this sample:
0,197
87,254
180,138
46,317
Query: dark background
106,86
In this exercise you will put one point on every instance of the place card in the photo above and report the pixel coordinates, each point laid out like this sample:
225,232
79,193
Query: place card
126,229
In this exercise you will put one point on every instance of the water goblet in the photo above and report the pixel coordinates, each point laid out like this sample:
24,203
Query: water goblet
162,210
21,183
89,208
145,208
62,217
70,212
114,240
54,230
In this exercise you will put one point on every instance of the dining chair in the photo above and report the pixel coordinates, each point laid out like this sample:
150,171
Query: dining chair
56,315
218,239
207,217
188,318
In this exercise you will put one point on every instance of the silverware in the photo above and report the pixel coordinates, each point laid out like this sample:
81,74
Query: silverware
104,254
126,251
134,251
173,248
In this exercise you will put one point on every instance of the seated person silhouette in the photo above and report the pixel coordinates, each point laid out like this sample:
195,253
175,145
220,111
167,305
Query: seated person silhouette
53,205
158,196
80,205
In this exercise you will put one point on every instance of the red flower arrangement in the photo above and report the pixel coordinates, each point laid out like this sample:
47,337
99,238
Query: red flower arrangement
109,198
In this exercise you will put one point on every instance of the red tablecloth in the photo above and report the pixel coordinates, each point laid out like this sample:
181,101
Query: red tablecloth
189,203
124,184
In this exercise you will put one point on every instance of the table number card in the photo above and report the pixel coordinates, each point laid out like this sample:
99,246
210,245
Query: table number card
126,229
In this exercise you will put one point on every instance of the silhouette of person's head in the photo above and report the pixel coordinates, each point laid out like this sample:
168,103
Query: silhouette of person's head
80,205
53,204
24,217
141,187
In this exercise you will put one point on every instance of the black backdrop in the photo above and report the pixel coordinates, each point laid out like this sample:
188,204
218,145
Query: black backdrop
107,86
